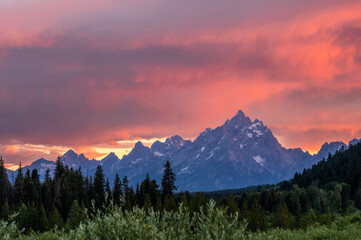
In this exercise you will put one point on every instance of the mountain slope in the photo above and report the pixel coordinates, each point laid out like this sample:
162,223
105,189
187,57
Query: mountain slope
239,153
343,167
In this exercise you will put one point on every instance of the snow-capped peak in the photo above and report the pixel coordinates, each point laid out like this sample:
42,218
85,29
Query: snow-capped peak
176,141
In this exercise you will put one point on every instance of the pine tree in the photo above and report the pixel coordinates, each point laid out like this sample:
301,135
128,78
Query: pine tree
126,190
108,191
32,218
29,188
91,189
117,189
66,194
86,192
308,219
37,187
57,188
22,218
147,202
138,198
158,204
5,186
46,192
169,203
197,202
168,181
80,191
283,217
56,219
257,217
154,192
185,199
244,210
59,169
99,187
41,219
130,199
76,215
4,211
19,186
232,207
144,189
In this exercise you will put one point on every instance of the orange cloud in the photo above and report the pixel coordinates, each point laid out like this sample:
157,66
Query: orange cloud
113,143
11,149
68,80
89,152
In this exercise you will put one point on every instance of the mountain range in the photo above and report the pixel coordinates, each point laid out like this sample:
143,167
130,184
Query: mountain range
239,153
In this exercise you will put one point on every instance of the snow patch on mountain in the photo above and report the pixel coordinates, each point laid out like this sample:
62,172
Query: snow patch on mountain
136,161
210,155
184,169
44,165
237,154
261,161
258,132
158,154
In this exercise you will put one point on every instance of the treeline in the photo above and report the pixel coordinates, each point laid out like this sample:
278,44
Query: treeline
331,187
61,200
317,195
343,167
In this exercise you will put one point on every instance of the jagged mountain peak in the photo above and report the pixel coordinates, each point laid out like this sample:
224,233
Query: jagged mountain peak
70,152
139,148
240,119
111,155
139,145
239,153
258,121
169,146
333,144
330,148
241,129
176,141
240,114
69,156
41,160
354,141
156,144
109,162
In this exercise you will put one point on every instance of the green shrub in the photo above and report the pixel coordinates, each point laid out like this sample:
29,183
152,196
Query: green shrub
214,223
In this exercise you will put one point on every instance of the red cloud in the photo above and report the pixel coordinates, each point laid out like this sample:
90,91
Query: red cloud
68,80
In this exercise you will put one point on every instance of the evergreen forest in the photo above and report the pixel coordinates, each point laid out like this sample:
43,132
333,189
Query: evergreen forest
322,202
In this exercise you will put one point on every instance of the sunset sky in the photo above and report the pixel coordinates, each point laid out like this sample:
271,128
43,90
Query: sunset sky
97,76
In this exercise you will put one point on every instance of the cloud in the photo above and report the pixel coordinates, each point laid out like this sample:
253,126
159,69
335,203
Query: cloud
84,74
113,143
11,149
89,152
309,117
27,153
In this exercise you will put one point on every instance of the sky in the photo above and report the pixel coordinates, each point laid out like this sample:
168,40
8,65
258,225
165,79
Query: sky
97,76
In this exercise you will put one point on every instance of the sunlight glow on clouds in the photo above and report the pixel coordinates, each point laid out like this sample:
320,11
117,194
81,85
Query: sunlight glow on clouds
99,76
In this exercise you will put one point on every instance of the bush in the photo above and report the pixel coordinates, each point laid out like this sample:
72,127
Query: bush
214,223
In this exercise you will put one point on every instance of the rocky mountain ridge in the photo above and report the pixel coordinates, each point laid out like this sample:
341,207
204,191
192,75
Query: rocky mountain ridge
237,154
